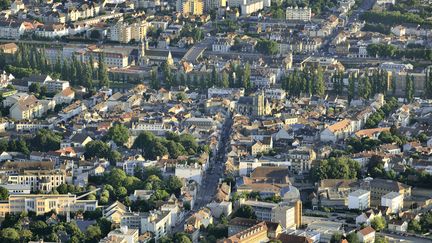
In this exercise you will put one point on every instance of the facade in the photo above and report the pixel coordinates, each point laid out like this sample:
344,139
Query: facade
26,108
393,200
366,235
194,7
288,216
359,199
39,180
44,203
296,13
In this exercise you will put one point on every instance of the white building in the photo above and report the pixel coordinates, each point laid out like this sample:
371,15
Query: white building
189,172
393,200
122,234
359,199
296,13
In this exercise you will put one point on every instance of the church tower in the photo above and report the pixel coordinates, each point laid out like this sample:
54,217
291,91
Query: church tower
142,58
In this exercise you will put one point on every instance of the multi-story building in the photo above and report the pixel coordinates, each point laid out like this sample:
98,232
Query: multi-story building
287,215
359,199
44,203
301,159
194,7
26,108
296,13
39,180
393,200
339,130
380,187
11,29
157,222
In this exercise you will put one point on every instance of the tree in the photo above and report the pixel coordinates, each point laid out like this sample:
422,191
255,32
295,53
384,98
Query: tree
26,235
381,239
335,168
102,72
87,76
35,88
174,184
415,226
353,238
267,47
319,84
225,80
9,235
4,193
45,140
118,133
246,76
97,149
143,141
409,90
336,238
93,233
39,227
154,84
378,223
245,211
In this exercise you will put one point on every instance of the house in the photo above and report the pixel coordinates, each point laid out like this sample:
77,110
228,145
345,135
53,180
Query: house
52,31
366,235
65,96
156,222
367,216
398,225
337,131
114,212
262,146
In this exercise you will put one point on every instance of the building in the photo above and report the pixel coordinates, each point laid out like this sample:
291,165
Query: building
359,199
26,108
296,13
11,29
45,203
337,131
393,200
287,215
39,180
254,234
398,225
366,235
156,222
122,234
193,7
301,159
380,187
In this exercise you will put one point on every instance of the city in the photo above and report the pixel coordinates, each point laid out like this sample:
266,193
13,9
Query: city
243,121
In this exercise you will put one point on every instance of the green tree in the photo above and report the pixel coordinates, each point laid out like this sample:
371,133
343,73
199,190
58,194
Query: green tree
93,233
102,71
45,140
225,80
174,184
378,223
381,239
409,90
97,149
246,76
4,193
245,211
267,47
154,84
9,235
118,133
336,238
353,238
35,88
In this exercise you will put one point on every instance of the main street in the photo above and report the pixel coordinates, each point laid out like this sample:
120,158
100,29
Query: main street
211,177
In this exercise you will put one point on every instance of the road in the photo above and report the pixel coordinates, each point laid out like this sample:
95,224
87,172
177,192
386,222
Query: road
400,238
364,6
211,178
